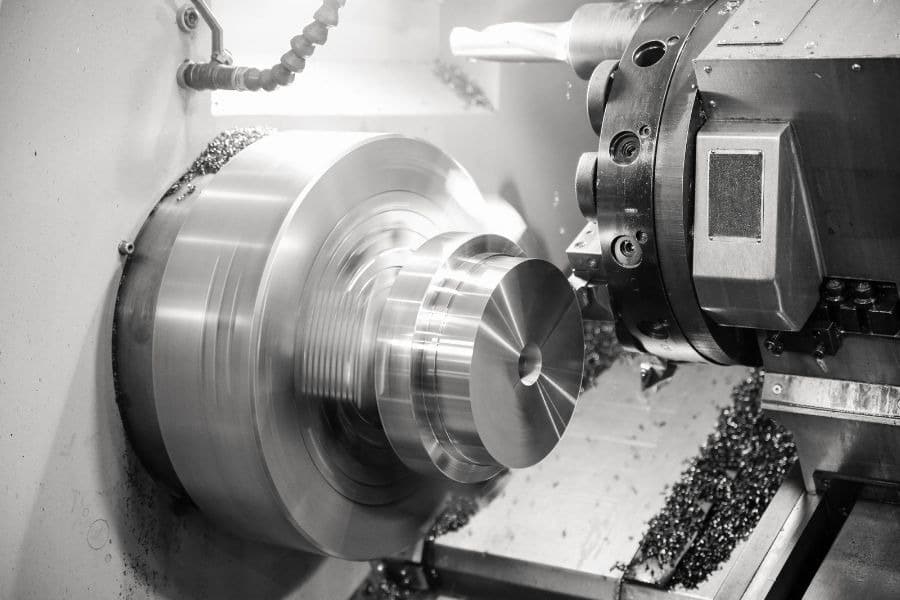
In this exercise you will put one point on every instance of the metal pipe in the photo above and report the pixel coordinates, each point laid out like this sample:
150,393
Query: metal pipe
219,74
218,34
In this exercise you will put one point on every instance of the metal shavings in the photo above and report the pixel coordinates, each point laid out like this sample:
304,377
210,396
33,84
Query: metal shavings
601,349
383,585
462,84
454,517
218,152
722,494
730,6
386,582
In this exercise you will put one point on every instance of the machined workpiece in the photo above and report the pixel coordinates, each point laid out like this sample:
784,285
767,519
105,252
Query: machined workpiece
249,319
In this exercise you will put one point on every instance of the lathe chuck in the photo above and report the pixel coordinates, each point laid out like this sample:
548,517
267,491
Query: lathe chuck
326,338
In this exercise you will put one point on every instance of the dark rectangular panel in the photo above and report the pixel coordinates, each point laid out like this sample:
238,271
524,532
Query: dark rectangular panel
735,194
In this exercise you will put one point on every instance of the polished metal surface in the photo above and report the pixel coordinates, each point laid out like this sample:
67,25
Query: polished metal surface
843,427
638,198
844,117
133,336
673,209
252,417
512,42
832,397
755,23
479,358
598,91
247,340
763,279
755,564
833,78
597,31
863,561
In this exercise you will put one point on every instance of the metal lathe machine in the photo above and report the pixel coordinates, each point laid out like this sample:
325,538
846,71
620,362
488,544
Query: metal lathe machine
319,341
318,337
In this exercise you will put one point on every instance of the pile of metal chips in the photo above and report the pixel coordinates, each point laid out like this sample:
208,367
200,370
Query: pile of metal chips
381,584
601,349
722,494
218,152
455,516
464,86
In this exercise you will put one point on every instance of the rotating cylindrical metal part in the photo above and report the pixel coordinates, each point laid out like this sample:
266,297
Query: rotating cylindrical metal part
250,327
477,367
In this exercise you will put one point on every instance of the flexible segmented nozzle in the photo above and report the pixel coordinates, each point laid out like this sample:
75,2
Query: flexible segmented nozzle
219,75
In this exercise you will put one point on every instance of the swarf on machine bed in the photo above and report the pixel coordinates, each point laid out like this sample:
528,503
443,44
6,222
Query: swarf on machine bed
722,494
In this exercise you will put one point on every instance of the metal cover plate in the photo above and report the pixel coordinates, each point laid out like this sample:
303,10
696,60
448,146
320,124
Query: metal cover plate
754,24
862,562
832,397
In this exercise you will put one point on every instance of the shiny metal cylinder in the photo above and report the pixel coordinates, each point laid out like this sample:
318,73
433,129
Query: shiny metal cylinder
247,330
596,32
478,358
602,31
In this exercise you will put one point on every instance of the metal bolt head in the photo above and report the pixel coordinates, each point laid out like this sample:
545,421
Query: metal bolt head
864,293
774,345
707,69
126,248
834,285
777,389
626,251
187,18
856,67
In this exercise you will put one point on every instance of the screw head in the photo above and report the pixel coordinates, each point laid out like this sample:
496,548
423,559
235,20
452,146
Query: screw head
626,251
864,294
774,345
126,248
856,67
187,18
777,389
